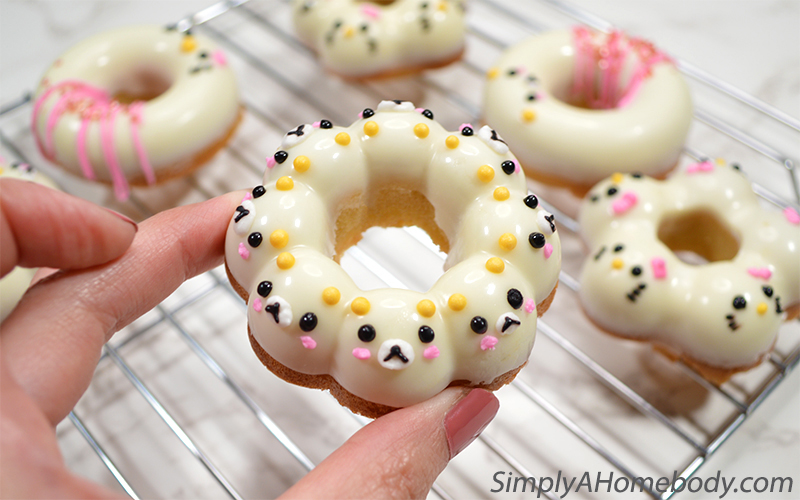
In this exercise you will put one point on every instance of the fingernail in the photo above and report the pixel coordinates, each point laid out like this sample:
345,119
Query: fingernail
467,419
123,217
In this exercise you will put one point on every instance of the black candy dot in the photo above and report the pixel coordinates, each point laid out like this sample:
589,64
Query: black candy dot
636,271
739,302
308,322
594,198
281,156
618,248
325,124
255,239
636,175
479,324
736,166
531,97
467,131
514,298
767,290
427,113
508,167
537,240
264,288
366,333
259,191
367,113
426,334
512,72
532,201
612,191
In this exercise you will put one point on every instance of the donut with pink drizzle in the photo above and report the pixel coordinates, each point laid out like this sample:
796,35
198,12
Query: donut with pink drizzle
576,106
136,105
692,264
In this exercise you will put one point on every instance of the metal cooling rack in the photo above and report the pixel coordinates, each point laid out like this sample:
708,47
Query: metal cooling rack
290,70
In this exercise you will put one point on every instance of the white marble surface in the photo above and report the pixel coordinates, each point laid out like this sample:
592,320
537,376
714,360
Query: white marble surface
754,45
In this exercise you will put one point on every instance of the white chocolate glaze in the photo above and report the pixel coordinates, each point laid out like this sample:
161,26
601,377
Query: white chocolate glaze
724,313
14,284
634,116
363,39
183,100
502,260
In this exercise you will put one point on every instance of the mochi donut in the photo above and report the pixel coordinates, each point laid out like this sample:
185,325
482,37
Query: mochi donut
719,307
14,284
379,350
136,105
576,106
358,39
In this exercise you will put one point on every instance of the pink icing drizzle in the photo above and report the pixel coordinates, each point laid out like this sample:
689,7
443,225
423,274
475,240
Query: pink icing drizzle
548,250
705,166
624,203
308,342
488,342
243,251
110,153
530,305
257,305
371,11
760,272
431,352
659,266
135,111
361,353
792,216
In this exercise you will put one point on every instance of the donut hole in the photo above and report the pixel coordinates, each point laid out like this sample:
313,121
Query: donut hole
698,237
144,84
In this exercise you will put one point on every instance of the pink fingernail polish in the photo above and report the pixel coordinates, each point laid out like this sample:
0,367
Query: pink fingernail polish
467,419
123,217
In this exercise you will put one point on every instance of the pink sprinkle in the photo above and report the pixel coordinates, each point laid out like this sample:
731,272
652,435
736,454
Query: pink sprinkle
308,342
243,251
316,124
521,70
463,125
431,352
247,196
625,203
270,161
548,250
257,305
419,110
361,114
361,353
792,216
371,11
760,272
659,266
516,166
530,306
488,342
705,166
219,58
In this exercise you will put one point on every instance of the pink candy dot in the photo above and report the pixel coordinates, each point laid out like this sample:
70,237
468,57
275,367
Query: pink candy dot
488,342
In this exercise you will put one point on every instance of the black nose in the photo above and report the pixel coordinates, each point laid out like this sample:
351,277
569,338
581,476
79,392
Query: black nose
508,322
396,351
275,310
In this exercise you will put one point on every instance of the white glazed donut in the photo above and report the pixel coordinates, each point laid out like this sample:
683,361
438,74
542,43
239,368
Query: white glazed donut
364,39
721,316
577,106
135,105
382,349
14,284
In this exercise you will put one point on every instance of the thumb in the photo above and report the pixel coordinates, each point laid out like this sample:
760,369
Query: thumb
401,454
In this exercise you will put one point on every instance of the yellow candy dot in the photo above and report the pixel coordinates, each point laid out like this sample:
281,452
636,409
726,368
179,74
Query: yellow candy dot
188,44
349,32
495,265
501,194
285,260
617,178
442,6
451,141
284,183
528,115
507,242
485,173
426,308
720,162
421,130
331,295
457,302
301,163
342,139
370,128
762,308
360,306
279,238
617,263
492,73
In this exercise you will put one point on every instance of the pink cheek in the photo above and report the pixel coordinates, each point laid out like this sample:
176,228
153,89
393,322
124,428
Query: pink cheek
659,266
760,272
248,196
257,305
431,352
243,251
625,203
548,250
792,216
361,353
488,342
308,342
270,162
530,306
219,58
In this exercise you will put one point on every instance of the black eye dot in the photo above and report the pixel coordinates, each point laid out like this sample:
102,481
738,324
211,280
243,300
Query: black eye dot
531,97
532,201
636,175
736,166
636,270
325,124
479,324
204,54
612,191
255,239
512,72
264,288
425,334
364,27
514,298
367,113
281,156
739,302
618,248
366,333
767,290
427,113
537,240
594,198
308,322
424,5
467,131
508,167
259,191
337,25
